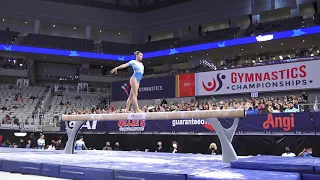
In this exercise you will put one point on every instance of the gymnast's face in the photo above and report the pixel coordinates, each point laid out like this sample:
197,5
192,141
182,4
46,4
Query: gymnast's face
139,56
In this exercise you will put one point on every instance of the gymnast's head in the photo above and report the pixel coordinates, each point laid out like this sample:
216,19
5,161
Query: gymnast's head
139,55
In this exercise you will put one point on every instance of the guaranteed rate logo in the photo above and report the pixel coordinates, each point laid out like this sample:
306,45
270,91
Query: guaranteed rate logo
214,85
188,122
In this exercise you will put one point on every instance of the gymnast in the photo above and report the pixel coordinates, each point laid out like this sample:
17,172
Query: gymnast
138,69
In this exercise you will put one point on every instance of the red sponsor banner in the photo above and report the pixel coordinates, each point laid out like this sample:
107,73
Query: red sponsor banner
185,85
131,125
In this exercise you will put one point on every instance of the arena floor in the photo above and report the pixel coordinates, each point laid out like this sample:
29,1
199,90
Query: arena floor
15,176
121,165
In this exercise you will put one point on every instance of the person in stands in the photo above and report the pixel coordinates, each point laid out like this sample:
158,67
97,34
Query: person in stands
252,110
28,145
41,142
307,152
288,152
291,108
213,149
174,148
107,147
117,147
159,148
80,144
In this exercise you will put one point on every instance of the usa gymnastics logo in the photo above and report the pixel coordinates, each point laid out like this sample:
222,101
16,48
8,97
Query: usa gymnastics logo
125,87
214,85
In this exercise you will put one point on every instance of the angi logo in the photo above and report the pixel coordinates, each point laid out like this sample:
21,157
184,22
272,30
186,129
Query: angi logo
212,85
125,88
279,122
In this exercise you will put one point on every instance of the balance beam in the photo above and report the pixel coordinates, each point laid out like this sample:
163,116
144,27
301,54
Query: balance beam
157,115
210,116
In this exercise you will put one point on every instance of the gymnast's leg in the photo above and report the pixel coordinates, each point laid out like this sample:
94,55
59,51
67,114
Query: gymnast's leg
129,101
134,90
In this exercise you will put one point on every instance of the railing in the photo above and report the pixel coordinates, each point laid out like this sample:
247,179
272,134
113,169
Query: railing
312,107
50,122
39,123
77,89
25,123
205,68
45,103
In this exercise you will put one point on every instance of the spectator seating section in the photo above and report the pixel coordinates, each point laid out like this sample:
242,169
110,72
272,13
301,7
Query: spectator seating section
122,48
59,42
212,36
117,48
220,34
273,26
4,63
8,37
86,101
159,45
24,109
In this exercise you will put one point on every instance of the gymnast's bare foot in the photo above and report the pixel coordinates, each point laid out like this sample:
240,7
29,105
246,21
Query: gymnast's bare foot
139,111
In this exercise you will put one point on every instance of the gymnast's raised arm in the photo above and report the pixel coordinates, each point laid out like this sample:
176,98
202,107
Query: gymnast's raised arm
122,66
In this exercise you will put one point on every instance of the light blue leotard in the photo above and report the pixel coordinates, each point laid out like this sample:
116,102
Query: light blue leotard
138,69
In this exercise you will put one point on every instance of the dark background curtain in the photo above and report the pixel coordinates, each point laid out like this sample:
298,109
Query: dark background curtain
244,145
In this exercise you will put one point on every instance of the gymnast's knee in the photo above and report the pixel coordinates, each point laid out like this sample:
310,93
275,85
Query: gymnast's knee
130,96
134,95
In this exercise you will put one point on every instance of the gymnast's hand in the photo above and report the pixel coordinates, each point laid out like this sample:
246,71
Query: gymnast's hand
114,71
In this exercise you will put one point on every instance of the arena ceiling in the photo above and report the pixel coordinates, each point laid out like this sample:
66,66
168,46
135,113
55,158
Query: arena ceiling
281,46
137,6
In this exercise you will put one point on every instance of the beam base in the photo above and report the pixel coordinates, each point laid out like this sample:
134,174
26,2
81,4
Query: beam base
225,136
72,136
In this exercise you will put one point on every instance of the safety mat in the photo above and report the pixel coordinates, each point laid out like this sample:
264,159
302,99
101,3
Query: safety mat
241,174
121,165
277,163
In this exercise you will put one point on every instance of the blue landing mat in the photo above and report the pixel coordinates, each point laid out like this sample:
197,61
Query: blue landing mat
310,176
241,174
22,167
317,166
73,172
277,163
125,175
50,170
121,165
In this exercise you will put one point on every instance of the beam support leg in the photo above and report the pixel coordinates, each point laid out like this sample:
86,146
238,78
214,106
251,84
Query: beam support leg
225,137
72,135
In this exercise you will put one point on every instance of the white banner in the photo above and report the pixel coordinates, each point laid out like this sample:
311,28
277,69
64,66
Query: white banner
19,82
289,76
254,94
26,82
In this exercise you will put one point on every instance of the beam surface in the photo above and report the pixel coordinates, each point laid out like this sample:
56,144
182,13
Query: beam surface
230,113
